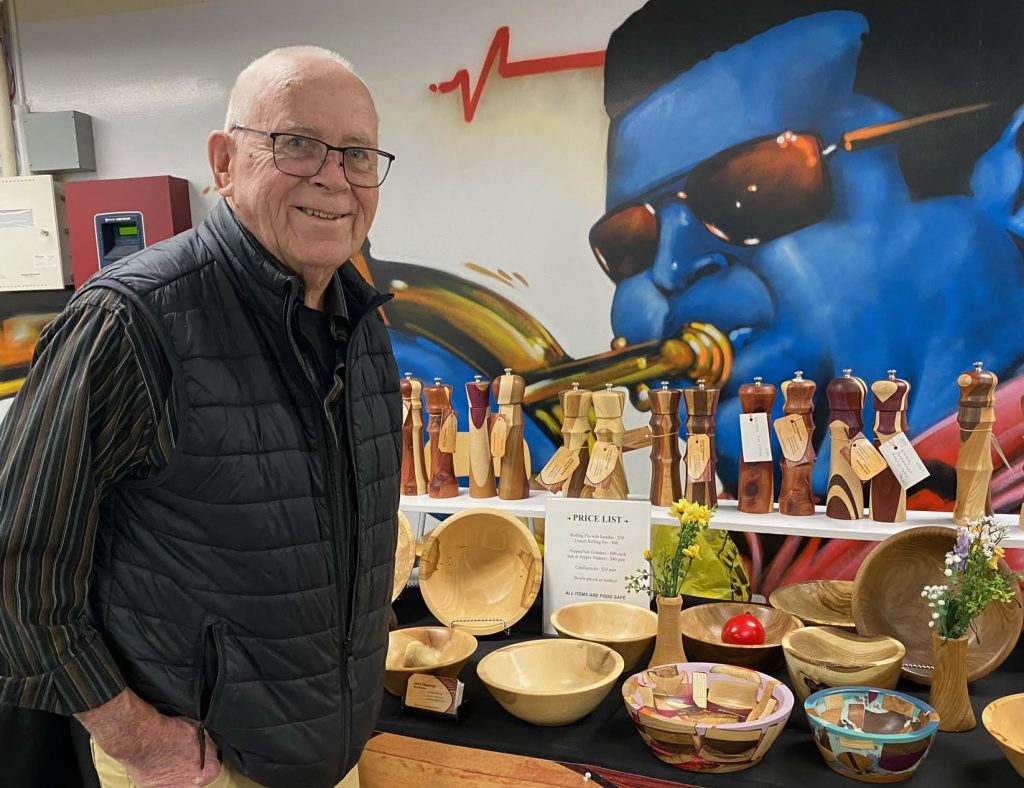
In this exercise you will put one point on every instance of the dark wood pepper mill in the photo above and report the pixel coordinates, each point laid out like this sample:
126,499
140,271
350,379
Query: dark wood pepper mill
757,479
701,459
887,502
976,417
414,464
796,496
666,487
845,497
507,437
481,464
441,427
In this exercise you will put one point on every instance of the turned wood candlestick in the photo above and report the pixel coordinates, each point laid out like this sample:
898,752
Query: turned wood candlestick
796,496
442,428
845,497
606,475
507,437
701,459
976,416
666,486
757,479
567,469
888,500
481,464
414,465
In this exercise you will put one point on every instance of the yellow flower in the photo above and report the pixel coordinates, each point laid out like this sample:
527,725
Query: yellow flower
691,551
997,553
648,555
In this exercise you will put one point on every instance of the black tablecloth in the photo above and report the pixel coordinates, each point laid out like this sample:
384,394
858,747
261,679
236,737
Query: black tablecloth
607,737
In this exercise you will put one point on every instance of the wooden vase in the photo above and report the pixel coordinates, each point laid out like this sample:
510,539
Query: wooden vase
949,696
668,645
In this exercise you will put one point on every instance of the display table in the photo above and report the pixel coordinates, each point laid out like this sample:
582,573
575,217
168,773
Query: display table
607,740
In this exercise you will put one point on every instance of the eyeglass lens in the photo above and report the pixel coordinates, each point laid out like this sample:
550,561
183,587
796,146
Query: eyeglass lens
303,156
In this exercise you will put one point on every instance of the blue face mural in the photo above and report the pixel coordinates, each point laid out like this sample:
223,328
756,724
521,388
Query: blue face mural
878,280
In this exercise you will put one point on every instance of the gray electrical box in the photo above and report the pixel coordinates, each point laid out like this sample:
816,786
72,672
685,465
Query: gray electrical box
60,142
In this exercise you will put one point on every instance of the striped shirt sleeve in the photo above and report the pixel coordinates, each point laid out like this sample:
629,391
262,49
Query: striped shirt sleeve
87,416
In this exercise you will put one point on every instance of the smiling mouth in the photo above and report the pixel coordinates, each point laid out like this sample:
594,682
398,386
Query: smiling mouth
331,217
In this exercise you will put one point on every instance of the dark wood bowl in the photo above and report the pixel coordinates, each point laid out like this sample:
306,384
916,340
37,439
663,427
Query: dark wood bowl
702,634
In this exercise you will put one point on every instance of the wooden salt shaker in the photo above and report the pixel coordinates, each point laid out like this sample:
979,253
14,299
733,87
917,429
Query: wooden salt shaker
606,475
666,487
887,502
976,417
442,429
481,465
757,479
414,465
701,459
507,437
796,496
845,497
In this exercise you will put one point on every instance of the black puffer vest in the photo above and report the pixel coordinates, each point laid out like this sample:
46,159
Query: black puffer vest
223,586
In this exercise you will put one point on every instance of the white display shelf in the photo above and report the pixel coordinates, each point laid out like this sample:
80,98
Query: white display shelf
727,517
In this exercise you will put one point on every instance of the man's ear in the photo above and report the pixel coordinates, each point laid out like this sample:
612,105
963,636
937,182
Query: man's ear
998,177
220,149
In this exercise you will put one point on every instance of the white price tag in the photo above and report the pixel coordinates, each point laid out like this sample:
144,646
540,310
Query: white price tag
903,460
754,436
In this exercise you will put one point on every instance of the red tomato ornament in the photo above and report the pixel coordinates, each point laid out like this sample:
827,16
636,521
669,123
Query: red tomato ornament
743,630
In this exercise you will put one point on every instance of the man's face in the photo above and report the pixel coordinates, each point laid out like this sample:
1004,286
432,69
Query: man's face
329,104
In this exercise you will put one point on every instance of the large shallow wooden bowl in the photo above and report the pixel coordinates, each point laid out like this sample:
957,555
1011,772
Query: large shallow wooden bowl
438,651
405,556
704,717
871,735
480,568
823,657
550,682
887,601
628,629
820,603
702,634
1004,720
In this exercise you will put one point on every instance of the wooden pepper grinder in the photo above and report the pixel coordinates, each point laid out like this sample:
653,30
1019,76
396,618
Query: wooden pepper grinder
888,500
606,475
481,465
1020,521
666,487
845,497
757,479
507,437
567,469
974,462
442,428
796,496
414,465
701,459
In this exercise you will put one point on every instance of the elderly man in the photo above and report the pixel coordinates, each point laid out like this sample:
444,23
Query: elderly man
200,475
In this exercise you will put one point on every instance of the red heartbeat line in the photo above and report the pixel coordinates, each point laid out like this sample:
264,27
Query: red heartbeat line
511,68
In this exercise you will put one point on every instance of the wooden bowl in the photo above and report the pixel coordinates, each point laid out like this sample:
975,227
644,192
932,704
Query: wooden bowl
628,629
1004,720
438,651
822,657
824,603
550,682
887,601
482,569
702,633
871,735
704,717
405,556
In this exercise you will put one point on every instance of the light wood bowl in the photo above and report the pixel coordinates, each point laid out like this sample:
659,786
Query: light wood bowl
823,657
628,629
1004,720
405,556
823,603
887,601
702,633
447,650
550,682
482,569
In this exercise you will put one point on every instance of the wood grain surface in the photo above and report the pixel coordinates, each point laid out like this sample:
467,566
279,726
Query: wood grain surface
481,464
513,484
666,485
844,499
796,496
891,398
701,406
976,417
443,483
414,472
757,479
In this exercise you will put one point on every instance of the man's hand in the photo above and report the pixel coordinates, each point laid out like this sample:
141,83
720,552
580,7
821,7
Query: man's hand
156,751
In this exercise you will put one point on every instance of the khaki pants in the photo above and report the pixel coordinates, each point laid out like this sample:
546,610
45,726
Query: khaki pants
113,775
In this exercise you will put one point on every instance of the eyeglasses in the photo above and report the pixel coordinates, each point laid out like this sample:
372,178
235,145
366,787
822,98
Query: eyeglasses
295,154
747,195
